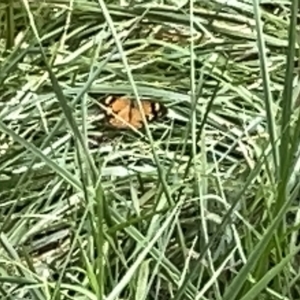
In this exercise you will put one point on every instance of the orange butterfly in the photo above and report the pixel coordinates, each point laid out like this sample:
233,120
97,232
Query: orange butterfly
122,111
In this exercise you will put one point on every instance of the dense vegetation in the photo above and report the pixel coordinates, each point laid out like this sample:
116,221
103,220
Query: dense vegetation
200,204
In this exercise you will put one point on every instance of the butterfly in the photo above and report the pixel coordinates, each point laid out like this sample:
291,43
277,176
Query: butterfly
124,113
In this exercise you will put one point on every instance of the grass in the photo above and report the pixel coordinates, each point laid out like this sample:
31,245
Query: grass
201,204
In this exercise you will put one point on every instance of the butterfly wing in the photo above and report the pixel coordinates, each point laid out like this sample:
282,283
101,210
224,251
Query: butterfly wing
121,108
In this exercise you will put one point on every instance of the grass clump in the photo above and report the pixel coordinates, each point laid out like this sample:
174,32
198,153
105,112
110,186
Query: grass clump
201,204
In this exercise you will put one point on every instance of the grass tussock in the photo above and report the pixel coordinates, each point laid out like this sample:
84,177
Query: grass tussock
200,204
